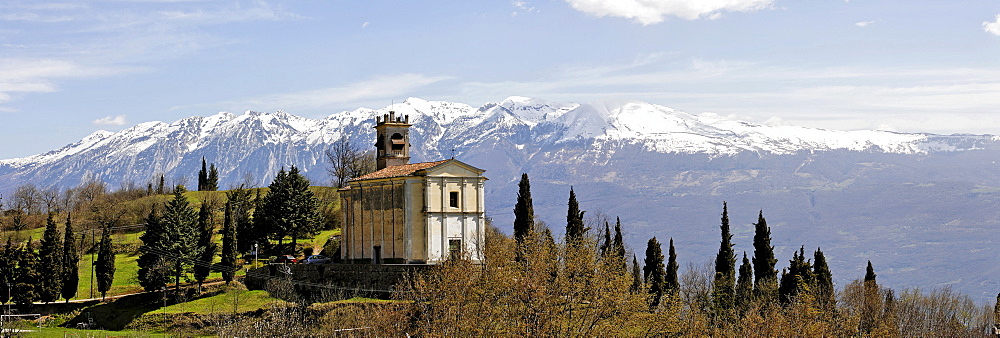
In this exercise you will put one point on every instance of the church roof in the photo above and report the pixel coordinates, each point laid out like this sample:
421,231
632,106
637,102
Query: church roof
399,170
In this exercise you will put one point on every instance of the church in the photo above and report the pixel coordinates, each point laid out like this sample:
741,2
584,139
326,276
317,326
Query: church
411,213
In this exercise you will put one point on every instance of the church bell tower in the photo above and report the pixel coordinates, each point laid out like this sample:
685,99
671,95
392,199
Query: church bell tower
392,140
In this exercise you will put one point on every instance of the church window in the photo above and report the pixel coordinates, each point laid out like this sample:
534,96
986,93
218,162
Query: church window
453,200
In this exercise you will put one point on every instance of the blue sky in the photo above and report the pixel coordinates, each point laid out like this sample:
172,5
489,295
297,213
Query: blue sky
69,68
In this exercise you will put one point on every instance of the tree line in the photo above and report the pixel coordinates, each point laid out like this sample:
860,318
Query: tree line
532,284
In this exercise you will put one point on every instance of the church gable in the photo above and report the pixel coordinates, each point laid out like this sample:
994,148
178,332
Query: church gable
452,168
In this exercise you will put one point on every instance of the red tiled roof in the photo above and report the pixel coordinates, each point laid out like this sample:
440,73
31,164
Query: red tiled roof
398,170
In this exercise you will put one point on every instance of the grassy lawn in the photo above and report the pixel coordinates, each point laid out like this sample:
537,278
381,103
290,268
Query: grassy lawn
125,277
66,332
241,300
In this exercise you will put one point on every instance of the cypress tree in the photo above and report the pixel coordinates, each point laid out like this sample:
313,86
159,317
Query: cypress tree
105,265
653,273
765,274
524,211
228,244
870,273
8,265
212,181
159,187
154,269
744,285
50,256
574,221
618,244
24,290
71,262
605,249
725,268
798,277
637,278
996,312
242,207
672,286
824,291
206,246
203,176
180,227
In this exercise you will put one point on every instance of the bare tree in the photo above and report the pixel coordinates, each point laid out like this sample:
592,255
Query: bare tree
348,161
26,198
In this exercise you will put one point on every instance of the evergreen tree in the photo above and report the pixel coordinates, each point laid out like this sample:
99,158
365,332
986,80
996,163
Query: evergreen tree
870,273
723,290
765,274
154,269
180,228
744,285
242,210
290,209
671,283
618,244
575,229
228,262
637,278
207,247
105,265
71,262
524,211
212,182
653,273
203,176
798,277
50,256
24,290
605,248
824,291
159,187
8,267
996,313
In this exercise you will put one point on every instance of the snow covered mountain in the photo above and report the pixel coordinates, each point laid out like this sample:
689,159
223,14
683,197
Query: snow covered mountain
914,204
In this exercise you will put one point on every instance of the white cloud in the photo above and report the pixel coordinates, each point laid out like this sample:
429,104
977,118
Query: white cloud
364,25
38,76
653,11
110,121
864,23
992,27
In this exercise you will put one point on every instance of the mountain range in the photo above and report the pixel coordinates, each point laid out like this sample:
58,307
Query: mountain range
921,207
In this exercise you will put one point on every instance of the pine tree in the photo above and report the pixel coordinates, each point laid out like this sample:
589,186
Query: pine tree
574,221
105,265
154,269
290,209
524,211
637,278
824,291
671,283
870,311
723,290
50,256
71,262
203,176
180,227
212,182
653,272
228,262
206,246
765,274
159,187
996,313
24,290
744,285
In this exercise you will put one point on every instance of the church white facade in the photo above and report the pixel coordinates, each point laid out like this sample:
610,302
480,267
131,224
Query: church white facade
412,213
